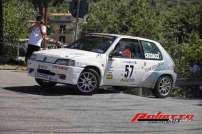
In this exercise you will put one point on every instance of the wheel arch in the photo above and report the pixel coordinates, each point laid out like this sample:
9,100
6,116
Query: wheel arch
94,68
166,74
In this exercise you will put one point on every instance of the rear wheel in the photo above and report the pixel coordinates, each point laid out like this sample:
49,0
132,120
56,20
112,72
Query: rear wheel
163,87
88,82
45,83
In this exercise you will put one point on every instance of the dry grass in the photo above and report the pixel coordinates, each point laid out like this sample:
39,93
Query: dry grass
13,67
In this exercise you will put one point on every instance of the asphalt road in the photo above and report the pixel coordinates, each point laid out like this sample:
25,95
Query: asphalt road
27,108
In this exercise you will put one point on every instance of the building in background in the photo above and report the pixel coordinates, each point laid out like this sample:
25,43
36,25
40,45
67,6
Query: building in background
61,27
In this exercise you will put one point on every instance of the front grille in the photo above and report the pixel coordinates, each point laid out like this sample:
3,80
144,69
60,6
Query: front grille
42,71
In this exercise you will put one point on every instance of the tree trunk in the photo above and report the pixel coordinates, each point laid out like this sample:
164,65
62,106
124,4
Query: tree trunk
1,27
45,23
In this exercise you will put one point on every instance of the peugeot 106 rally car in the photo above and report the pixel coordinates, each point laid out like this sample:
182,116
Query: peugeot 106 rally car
106,60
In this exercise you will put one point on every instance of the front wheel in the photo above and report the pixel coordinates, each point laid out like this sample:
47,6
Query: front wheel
88,82
163,87
45,83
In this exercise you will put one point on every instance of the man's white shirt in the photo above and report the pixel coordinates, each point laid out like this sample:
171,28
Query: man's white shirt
36,37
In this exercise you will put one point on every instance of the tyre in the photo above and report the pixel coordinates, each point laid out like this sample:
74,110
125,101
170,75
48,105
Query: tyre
163,87
88,82
45,83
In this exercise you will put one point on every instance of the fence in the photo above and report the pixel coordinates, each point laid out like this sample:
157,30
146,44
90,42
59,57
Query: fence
14,50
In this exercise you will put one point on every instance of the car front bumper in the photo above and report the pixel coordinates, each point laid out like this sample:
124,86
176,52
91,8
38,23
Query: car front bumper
54,72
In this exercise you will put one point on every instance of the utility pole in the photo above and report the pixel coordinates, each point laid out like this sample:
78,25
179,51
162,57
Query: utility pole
77,20
1,26
78,9
45,23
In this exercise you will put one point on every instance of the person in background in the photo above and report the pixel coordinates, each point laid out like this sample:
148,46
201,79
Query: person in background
195,69
37,35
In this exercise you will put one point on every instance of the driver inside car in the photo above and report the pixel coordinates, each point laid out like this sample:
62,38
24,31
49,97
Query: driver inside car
126,52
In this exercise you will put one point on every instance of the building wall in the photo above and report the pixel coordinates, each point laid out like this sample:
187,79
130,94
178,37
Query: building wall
61,27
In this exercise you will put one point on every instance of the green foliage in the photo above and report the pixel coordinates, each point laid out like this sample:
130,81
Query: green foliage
123,17
53,5
178,92
16,15
59,6
181,23
181,35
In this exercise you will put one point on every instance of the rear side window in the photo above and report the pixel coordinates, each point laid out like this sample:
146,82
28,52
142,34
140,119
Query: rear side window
151,51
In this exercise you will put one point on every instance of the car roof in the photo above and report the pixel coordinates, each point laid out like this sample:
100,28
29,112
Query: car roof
123,36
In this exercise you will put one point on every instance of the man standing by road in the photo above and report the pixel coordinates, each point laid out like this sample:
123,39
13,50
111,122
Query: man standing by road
37,35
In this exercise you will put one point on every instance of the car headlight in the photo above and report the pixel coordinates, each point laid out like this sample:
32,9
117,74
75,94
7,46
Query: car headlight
66,62
33,57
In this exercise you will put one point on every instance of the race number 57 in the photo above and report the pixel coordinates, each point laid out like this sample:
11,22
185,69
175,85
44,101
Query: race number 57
128,71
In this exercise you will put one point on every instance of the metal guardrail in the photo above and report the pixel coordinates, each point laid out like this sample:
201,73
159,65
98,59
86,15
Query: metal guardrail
181,82
17,45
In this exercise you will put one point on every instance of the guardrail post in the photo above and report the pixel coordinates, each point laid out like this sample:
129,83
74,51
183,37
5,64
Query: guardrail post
18,51
140,91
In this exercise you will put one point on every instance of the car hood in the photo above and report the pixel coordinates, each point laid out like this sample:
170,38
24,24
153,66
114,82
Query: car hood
66,53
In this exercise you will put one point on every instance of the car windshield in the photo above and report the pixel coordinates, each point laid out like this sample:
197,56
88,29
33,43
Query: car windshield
93,43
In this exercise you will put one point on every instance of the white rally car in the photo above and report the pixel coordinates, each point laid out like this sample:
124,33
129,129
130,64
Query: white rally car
106,60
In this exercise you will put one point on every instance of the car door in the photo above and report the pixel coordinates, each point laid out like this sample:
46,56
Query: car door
122,68
137,63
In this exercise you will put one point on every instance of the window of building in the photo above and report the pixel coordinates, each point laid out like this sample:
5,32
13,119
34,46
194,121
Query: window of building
62,28
62,39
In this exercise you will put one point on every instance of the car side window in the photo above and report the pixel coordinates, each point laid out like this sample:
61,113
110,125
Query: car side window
151,51
128,48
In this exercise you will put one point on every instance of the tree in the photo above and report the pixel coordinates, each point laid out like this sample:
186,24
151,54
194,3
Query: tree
124,17
42,5
16,14
1,26
182,23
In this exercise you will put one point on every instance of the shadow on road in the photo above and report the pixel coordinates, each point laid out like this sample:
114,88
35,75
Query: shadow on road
200,104
53,91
